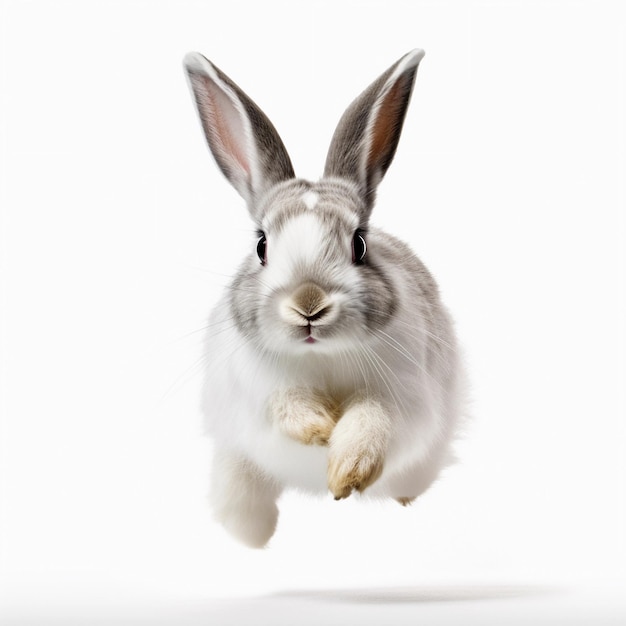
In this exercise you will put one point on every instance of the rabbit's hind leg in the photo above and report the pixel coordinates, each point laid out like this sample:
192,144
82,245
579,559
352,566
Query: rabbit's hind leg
413,482
243,499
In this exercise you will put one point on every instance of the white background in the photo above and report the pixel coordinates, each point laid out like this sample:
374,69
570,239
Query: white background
117,233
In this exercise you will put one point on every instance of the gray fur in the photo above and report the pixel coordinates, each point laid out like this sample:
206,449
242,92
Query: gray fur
349,155
274,162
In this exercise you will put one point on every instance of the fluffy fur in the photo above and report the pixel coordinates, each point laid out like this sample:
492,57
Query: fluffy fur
325,372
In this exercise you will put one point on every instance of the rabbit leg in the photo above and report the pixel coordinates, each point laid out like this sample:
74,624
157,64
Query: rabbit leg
303,414
243,499
358,446
413,482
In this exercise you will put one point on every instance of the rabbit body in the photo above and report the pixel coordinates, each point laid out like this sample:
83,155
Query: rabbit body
332,363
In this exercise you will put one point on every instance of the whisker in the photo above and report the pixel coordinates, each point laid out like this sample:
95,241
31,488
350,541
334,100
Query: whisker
261,282
376,361
185,377
206,327
421,329
397,346
247,290
354,367
419,365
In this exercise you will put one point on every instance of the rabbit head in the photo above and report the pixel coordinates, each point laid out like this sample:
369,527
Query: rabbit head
316,278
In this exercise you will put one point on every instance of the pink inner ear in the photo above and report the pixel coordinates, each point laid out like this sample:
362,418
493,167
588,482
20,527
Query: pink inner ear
227,128
384,131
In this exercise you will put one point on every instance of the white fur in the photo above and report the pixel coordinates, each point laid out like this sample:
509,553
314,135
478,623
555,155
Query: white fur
300,244
301,241
240,381
243,499
310,199
406,421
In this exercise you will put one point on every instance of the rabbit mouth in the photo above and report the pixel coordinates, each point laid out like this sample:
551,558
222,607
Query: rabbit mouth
309,338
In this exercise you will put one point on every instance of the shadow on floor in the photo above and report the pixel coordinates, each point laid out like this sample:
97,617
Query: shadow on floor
417,594
395,606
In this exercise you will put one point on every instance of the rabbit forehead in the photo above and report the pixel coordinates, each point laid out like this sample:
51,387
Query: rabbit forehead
335,205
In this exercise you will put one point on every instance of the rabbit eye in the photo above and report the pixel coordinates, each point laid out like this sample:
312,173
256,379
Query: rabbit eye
359,247
261,248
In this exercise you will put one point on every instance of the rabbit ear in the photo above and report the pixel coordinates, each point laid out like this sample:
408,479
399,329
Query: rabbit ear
243,141
367,135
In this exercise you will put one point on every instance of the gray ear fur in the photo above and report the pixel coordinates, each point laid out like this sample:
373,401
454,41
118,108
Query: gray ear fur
367,135
243,141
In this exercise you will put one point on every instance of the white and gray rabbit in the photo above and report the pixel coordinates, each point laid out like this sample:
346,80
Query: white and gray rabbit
332,363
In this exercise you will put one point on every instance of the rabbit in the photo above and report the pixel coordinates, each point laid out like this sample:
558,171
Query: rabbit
332,363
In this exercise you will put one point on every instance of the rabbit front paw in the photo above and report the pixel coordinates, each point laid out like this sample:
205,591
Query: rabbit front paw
305,415
358,446
357,469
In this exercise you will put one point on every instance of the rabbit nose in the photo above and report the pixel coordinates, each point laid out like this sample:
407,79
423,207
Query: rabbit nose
310,301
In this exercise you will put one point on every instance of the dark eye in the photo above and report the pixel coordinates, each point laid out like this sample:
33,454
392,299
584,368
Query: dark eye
359,247
261,248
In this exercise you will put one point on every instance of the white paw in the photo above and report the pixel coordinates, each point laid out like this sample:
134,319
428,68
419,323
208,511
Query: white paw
357,447
355,469
243,499
304,415
253,526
